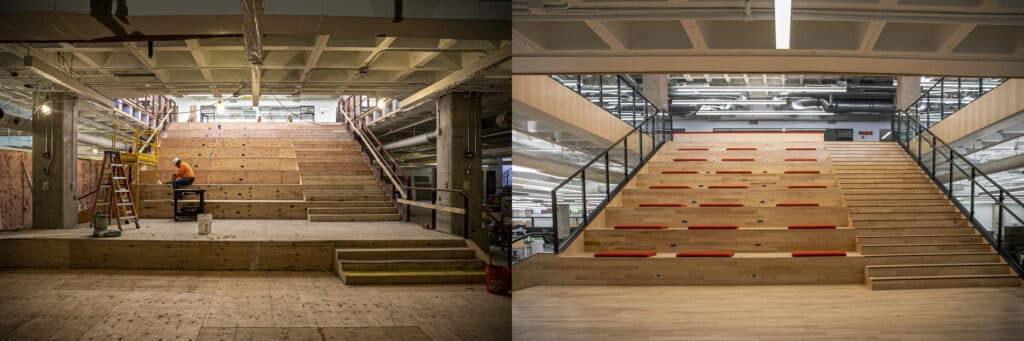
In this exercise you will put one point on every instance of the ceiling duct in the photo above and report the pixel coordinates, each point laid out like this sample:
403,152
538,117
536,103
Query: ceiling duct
876,107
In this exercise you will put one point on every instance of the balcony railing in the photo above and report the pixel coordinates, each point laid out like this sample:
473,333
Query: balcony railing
617,94
947,95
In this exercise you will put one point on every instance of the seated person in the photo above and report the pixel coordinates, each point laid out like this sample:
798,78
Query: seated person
183,177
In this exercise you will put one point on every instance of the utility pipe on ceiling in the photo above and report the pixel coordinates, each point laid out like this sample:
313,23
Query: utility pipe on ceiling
25,125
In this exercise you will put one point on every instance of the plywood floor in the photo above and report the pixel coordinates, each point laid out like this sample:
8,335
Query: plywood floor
167,305
255,229
824,312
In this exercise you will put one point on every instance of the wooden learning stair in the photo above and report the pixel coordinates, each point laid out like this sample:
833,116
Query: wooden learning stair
271,171
408,262
716,209
909,232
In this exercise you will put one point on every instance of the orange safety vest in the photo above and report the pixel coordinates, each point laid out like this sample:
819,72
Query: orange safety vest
185,171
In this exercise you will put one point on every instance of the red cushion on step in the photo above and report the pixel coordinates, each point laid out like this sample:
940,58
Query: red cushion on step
819,253
680,172
713,227
696,148
688,159
801,159
785,204
721,204
641,227
727,186
808,186
669,187
811,227
641,254
741,148
801,148
802,172
737,159
733,172
661,204
706,254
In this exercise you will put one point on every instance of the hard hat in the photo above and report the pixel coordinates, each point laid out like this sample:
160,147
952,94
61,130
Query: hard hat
176,160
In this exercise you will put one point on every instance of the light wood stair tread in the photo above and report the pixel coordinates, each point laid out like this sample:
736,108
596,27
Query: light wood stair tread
911,278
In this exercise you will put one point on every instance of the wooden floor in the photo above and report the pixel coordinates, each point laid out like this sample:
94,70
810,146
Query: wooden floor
167,305
822,312
252,230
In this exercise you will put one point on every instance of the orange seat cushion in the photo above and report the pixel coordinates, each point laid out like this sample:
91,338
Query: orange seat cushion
819,253
802,172
680,172
727,186
808,186
669,187
811,227
801,148
721,204
641,227
733,172
706,254
737,159
801,159
661,204
696,148
640,254
740,148
688,159
785,204
713,227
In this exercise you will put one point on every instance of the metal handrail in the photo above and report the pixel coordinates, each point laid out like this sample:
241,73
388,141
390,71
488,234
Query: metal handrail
644,158
388,164
629,83
914,129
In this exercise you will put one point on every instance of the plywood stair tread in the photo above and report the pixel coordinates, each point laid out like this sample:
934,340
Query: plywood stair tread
912,278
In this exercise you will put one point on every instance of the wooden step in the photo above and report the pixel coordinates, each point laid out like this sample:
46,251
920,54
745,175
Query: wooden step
987,268
399,243
353,217
857,217
895,203
406,253
384,208
901,231
932,258
413,277
947,208
912,223
948,281
920,239
411,264
925,248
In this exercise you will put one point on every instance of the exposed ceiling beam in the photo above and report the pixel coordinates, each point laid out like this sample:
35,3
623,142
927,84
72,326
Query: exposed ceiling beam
525,42
872,31
314,56
200,60
605,33
148,64
63,79
694,33
447,83
380,48
956,37
418,61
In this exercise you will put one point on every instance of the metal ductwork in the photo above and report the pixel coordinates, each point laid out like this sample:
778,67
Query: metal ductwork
15,122
412,141
102,142
840,107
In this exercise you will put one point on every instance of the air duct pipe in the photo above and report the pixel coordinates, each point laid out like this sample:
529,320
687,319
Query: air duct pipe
102,142
872,107
412,141
22,124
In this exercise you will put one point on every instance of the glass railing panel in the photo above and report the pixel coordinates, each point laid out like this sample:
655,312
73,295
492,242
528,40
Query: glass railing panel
616,160
597,186
633,155
568,207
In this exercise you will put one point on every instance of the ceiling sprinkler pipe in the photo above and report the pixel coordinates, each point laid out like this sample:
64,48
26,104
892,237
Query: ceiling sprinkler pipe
412,141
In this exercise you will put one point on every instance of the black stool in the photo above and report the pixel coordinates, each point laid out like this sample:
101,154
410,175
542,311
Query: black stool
189,212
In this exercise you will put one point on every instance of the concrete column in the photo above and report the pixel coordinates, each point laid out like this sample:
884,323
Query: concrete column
655,87
563,220
908,88
54,153
458,162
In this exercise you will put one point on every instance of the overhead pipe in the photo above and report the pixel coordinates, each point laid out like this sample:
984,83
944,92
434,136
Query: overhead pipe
840,107
412,141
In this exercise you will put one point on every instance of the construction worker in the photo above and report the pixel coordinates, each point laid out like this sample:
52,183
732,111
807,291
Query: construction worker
184,176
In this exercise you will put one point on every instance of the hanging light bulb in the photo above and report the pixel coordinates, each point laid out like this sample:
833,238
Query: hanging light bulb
220,107
45,109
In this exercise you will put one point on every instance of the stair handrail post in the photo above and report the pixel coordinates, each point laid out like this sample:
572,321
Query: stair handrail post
554,221
973,182
999,224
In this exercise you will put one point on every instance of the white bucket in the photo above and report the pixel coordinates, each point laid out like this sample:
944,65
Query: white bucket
205,221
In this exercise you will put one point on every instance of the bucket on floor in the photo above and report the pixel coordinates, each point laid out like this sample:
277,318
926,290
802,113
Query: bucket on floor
498,280
205,222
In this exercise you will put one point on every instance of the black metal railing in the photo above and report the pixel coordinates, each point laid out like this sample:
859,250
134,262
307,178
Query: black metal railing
586,192
617,94
947,95
990,207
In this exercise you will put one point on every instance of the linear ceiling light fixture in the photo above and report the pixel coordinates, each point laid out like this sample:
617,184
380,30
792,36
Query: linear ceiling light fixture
729,102
762,113
711,89
783,17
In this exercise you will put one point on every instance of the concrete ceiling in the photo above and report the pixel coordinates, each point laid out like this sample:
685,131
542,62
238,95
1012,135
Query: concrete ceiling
940,37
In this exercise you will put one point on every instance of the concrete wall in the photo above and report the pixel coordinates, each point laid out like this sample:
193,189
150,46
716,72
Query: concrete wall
705,125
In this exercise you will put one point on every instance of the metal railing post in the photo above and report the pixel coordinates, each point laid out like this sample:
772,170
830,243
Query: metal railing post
607,176
554,220
934,171
972,193
951,154
999,225
583,193
465,216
